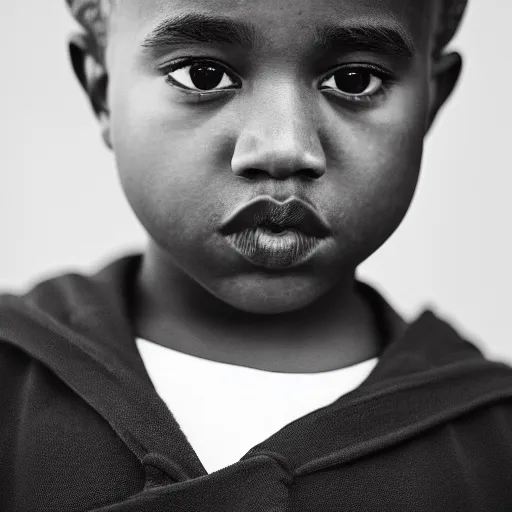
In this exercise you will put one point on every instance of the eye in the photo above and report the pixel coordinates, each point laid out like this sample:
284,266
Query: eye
354,82
201,76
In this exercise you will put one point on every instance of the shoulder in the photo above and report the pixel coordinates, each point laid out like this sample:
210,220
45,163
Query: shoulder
14,365
25,319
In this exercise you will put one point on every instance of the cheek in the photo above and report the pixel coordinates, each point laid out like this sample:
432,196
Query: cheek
168,161
378,155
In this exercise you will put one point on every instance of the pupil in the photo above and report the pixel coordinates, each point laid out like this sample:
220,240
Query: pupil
353,82
205,76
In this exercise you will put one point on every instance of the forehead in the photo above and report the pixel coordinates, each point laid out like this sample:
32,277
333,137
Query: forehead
285,21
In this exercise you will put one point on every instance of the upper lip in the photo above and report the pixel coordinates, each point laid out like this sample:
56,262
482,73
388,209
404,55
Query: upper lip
265,210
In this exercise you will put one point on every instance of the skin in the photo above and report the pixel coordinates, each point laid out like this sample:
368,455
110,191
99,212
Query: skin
185,164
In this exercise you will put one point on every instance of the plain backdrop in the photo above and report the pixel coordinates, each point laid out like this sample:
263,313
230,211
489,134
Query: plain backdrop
62,209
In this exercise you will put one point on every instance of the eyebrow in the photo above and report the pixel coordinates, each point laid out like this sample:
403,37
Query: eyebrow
366,38
200,28
196,28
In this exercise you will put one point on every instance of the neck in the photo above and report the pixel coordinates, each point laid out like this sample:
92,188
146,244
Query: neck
336,331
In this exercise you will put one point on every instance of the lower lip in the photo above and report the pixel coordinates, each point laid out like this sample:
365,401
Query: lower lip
268,249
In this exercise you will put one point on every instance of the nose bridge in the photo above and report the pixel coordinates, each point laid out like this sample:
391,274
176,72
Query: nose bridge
279,133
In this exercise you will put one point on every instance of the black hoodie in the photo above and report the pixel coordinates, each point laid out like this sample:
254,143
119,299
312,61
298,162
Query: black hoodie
82,427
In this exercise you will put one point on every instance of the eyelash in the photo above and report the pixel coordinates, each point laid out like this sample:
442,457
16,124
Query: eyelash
386,78
182,63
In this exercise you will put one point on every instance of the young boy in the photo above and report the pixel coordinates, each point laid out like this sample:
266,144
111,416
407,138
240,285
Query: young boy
268,148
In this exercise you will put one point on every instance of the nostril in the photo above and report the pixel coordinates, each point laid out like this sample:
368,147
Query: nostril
311,173
253,173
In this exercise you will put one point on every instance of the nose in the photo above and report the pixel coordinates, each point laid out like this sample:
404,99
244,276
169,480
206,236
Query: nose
279,137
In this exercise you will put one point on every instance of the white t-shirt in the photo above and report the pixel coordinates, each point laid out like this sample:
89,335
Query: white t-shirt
224,410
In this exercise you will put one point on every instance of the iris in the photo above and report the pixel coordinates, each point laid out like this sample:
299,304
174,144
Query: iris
205,76
352,82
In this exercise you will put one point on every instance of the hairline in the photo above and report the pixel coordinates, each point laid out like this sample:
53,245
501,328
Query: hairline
106,7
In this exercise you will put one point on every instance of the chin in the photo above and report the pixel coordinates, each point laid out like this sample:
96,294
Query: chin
270,294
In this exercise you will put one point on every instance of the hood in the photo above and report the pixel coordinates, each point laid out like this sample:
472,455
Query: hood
79,327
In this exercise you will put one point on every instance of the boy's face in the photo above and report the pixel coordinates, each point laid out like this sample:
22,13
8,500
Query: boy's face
324,100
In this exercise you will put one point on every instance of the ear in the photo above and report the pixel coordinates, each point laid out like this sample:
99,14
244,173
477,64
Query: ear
446,72
93,77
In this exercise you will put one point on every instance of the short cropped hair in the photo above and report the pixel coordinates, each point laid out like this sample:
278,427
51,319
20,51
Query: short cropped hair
93,16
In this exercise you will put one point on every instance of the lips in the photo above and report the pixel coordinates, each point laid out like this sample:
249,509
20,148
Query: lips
265,211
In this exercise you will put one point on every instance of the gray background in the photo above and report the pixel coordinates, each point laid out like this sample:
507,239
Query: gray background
61,208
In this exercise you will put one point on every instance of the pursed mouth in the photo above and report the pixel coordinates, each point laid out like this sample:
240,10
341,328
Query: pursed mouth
277,218
276,229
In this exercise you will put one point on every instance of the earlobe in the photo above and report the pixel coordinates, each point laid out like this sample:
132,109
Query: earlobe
446,73
93,77
105,129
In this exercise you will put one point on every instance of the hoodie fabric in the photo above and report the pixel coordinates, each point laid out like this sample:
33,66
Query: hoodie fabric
83,429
